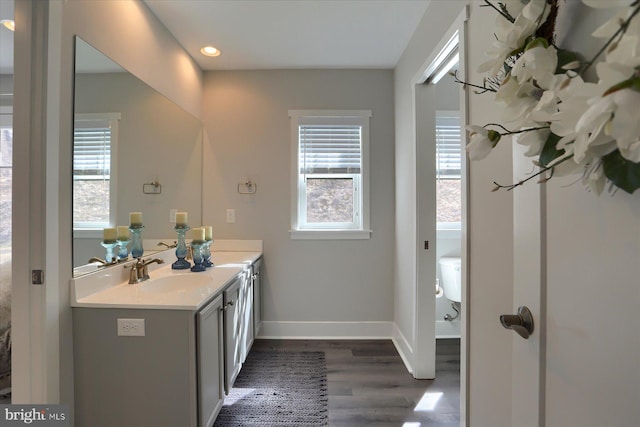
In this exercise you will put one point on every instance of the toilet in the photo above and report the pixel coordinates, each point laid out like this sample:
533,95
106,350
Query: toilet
450,269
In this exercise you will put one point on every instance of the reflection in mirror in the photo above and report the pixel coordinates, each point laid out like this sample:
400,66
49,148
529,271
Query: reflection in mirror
127,135
448,151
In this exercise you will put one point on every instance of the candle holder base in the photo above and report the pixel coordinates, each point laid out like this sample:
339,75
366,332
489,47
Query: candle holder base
181,264
181,249
123,251
198,267
198,259
206,254
110,257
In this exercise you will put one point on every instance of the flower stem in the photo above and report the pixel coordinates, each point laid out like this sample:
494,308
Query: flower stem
501,11
484,88
620,32
540,172
513,132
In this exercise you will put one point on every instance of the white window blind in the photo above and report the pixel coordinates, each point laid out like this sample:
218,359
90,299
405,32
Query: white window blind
92,150
95,141
448,145
330,149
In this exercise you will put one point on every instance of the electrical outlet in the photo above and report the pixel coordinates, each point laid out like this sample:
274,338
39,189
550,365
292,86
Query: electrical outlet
231,216
172,215
131,327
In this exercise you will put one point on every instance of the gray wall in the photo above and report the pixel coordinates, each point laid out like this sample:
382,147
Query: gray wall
247,127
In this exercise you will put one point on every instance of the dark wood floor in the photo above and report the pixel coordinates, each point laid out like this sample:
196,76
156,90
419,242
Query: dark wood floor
369,385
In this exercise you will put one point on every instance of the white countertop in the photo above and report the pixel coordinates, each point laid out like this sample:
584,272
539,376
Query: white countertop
109,287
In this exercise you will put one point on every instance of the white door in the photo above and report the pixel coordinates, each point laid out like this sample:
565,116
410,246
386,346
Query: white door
425,339
577,267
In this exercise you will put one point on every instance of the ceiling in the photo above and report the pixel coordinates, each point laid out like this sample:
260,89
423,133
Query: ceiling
271,34
278,34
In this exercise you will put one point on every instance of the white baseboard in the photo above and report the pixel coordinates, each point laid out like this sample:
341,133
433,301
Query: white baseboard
446,329
326,330
403,347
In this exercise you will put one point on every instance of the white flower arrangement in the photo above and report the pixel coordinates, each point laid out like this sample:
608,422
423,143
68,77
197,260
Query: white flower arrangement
568,124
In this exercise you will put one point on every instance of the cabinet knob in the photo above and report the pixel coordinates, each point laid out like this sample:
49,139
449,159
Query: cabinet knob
230,303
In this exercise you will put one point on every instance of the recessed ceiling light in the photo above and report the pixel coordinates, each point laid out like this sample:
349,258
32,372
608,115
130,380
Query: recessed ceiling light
210,51
9,23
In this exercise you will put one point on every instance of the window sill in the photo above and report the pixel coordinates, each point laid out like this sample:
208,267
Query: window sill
330,234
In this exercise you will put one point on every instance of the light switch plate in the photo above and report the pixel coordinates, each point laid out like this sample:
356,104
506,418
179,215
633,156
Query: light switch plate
231,216
172,215
131,328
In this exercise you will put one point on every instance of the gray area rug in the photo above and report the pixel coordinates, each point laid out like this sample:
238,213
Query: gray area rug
278,389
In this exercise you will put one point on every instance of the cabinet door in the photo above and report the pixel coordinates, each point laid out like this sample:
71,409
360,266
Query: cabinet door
247,313
232,333
210,362
257,281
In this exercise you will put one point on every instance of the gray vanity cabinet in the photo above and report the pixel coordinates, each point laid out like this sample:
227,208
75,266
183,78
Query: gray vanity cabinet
171,376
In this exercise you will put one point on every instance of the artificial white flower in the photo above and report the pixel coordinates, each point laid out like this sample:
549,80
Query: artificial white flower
590,130
625,123
533,139
605,4
481,141
536,11
538,63
520,104
594,177
511,37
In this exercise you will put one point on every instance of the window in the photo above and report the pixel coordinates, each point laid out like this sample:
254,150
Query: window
448,173
330,174
94,149
6,200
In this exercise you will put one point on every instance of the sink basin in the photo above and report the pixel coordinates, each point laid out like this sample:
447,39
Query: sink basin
174,283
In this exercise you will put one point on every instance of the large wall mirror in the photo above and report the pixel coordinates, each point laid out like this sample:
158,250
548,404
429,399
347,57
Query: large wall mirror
134,151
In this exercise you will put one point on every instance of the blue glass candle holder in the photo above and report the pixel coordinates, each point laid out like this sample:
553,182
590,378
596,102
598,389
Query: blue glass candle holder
198,259
181,249
136,240
206,253
123,250
109,246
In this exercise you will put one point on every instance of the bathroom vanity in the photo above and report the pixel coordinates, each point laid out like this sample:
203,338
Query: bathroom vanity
162,352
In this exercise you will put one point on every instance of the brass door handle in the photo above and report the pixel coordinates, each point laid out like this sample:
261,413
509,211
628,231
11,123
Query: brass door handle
521,323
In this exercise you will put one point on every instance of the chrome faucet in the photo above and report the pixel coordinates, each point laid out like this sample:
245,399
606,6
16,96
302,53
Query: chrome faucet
139,271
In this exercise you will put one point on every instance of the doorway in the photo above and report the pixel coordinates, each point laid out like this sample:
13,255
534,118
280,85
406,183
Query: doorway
449,55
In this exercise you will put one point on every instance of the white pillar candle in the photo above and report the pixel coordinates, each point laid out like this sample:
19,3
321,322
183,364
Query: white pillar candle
109,235
135,218
208,232
181,218
123,232
198,234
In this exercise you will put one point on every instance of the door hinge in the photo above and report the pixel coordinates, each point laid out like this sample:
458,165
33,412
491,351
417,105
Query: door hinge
426,245
37,277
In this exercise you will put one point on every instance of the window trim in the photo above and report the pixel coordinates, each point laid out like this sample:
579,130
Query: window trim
298,117
86,229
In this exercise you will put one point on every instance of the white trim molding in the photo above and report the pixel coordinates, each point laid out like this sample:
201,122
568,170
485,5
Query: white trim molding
326,330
